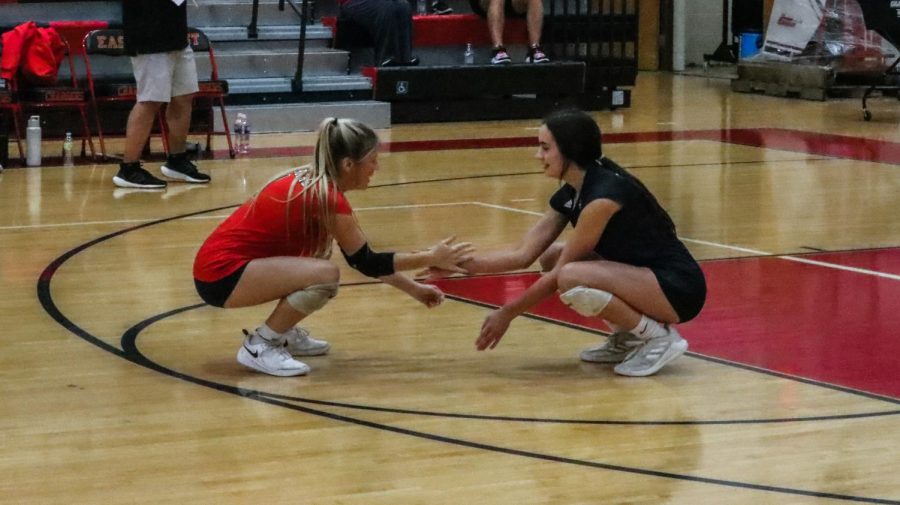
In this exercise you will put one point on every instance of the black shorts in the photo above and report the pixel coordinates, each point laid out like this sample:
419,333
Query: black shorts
216,293
684,285
508,9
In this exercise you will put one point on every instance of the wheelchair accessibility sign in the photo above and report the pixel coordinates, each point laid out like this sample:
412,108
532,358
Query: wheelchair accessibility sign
402,87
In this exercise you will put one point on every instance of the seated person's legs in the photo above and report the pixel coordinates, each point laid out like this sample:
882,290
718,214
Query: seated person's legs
389,23
533,12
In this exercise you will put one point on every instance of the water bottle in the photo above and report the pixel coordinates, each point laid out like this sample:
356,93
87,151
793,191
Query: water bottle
421,7
33,142
242,133
469,55
68,159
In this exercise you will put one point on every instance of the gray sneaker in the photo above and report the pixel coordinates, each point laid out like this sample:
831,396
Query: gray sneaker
650,357
613,350
298,342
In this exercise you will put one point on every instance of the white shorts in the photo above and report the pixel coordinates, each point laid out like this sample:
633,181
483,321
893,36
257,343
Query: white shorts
160,76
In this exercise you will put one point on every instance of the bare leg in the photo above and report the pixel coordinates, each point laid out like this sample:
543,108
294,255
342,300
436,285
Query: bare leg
496,19
178,119
549,258
137,130
534,19
270,279
635,290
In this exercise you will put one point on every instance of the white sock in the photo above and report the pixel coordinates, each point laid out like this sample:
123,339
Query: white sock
648,328
265,333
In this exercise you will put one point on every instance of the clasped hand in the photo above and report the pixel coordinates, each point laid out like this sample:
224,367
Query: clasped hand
447,256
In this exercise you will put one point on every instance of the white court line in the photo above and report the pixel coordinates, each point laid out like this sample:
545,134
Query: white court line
798,259
197,218
835,266
823,264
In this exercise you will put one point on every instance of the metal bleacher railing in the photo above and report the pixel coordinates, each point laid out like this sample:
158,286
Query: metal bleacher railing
305,14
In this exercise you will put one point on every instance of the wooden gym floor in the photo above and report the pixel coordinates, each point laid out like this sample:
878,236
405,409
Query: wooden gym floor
118,386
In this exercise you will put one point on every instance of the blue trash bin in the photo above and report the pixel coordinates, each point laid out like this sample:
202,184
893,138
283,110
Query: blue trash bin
751,42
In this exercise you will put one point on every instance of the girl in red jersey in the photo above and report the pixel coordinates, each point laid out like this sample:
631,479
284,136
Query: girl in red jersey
276,247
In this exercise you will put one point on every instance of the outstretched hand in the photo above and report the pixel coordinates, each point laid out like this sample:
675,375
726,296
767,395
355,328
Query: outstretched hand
447,255
434,273
492,330
429,295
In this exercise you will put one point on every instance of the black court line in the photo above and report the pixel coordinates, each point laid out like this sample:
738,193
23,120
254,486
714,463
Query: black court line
131,353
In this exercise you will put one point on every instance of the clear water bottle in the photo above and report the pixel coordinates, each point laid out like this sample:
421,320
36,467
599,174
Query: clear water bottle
469,55
68,159
33,142
421,7
242,133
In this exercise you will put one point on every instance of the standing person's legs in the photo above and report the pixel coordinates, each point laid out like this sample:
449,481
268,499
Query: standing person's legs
137,129
183,86
152,74
178,118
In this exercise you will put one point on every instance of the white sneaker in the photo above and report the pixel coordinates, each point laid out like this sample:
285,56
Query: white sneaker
269,357
614,350
298,343
650,357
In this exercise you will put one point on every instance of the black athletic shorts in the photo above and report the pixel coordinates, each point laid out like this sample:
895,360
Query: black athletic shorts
684,285
216,293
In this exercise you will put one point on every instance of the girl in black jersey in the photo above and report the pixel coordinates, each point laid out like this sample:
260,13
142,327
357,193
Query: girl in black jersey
623,262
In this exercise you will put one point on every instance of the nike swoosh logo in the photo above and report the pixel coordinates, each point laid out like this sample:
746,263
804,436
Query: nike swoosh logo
254,354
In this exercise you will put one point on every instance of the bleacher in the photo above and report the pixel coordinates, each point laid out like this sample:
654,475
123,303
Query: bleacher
592,46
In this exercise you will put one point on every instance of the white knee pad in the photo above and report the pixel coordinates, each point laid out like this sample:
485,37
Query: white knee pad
312,298
586,301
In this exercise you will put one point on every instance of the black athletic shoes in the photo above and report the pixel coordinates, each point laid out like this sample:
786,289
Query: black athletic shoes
180,168
133,175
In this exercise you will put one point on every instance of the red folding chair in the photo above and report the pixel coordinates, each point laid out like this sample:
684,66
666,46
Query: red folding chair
212,90
122,88
8,102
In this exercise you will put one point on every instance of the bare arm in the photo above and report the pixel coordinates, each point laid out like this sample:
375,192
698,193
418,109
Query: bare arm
428,295
536,240
445,254
591,224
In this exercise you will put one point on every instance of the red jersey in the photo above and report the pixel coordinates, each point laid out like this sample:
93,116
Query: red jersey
264,227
